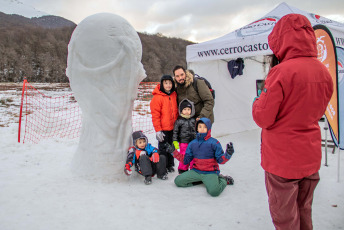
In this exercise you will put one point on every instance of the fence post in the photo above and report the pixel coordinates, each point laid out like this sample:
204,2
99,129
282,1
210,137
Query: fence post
21,108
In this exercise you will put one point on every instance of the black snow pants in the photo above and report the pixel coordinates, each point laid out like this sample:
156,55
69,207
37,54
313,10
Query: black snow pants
149,168
162,148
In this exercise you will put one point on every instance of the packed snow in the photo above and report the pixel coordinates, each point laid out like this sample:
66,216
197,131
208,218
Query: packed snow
40,191
104,69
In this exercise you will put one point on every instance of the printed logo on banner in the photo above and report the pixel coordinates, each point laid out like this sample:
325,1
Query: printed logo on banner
327,55
321,20
322,49
258,27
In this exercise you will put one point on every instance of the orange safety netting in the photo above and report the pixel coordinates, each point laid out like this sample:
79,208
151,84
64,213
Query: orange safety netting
43,117
141,116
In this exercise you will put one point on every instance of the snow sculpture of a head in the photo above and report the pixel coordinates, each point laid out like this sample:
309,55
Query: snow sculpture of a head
104,70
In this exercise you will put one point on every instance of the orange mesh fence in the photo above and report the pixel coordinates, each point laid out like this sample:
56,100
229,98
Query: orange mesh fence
142,117
43,117
47,116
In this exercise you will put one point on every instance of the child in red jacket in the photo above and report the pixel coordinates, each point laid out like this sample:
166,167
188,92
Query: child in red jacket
207,154
164,111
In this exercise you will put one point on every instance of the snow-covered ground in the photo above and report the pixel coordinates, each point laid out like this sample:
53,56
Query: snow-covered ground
39,191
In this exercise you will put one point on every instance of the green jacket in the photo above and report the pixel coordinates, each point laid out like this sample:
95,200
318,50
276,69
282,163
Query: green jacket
203,100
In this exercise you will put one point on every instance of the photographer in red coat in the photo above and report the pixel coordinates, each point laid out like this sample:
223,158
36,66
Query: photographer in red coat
294,98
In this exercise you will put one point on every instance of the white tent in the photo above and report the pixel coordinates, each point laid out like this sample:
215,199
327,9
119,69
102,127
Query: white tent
209,59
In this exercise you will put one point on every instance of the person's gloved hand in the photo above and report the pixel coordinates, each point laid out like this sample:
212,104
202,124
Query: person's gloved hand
259,92
230,148
169,148
176,144
160,136
127,169
143,152
155,157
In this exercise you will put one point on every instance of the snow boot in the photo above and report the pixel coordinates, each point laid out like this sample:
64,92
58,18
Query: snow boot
229,179
170,169
163,177
180,171
148,180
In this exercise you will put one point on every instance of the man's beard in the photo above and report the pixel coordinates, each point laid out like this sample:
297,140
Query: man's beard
180,84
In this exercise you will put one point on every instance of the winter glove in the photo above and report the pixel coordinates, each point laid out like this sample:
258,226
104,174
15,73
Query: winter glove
127,169
155,157
176,144
169,148
259,92
160,136
230,148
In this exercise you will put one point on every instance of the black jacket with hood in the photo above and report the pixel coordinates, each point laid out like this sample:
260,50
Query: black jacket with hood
184,129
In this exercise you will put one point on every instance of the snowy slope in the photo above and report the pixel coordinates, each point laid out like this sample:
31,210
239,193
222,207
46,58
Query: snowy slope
39,191
17,7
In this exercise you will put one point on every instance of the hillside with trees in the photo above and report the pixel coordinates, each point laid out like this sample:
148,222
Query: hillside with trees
37,49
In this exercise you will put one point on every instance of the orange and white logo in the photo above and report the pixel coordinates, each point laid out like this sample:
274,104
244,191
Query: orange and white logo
322,49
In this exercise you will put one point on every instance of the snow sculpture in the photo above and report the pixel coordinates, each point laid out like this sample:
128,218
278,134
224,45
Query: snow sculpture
104,70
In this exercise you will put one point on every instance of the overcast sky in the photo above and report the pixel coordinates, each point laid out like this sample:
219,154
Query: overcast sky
194,20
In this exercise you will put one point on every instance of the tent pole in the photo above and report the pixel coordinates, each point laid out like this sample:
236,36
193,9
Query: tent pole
338,176
326,128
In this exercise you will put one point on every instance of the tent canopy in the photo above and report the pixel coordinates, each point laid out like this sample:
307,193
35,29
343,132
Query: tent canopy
233,103
252,39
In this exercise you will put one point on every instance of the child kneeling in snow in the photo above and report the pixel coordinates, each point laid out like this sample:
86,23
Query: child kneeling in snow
146,159
207,153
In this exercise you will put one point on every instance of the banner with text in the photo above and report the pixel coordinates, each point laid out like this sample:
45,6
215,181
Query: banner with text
327,55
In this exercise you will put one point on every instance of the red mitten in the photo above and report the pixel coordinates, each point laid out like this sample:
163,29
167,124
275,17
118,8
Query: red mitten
127,169
155,157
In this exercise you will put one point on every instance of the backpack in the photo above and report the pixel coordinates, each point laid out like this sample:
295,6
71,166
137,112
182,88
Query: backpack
194,84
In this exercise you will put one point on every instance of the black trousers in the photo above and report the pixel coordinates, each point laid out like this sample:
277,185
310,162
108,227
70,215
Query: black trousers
149,168
162,149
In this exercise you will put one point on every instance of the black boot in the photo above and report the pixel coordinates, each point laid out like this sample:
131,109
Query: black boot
170,169
229,179
163,177
148,180
180,171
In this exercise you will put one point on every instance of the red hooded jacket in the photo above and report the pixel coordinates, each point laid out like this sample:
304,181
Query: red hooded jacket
294,98
164,110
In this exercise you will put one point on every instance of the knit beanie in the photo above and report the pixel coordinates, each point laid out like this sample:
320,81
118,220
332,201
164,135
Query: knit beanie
138,135
185,104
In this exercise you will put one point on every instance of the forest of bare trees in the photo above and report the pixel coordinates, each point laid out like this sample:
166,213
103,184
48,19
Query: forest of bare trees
40,54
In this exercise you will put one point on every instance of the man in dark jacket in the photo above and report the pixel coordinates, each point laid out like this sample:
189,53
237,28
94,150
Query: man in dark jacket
203,99
294,98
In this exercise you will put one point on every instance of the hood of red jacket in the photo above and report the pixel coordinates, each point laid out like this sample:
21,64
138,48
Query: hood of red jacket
158,91
293,36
